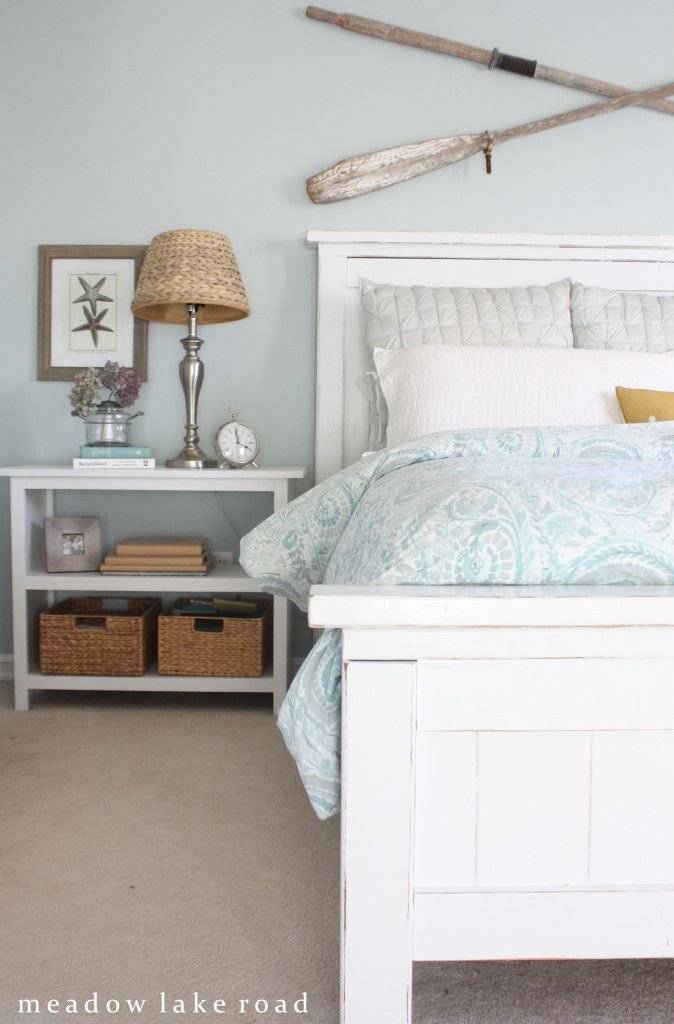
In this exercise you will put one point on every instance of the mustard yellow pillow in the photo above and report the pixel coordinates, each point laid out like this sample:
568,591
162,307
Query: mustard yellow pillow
639,405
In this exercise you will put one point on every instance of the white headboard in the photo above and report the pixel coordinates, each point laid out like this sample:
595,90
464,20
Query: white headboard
435,258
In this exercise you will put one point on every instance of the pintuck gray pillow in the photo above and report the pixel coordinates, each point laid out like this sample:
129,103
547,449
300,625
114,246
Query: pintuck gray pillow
627,321
401,316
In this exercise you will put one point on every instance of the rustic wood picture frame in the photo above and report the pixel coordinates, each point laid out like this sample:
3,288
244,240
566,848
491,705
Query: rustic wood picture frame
57,558
49,253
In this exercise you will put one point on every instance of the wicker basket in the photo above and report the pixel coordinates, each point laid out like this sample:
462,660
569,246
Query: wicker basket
83,636
190,645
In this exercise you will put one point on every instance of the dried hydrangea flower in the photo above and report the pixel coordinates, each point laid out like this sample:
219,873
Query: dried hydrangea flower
85,392
122,383
89,387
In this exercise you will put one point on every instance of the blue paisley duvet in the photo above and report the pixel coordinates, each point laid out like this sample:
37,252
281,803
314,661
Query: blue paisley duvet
550,505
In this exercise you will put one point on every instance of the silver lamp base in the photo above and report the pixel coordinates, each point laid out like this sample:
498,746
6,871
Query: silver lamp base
191,377
193,461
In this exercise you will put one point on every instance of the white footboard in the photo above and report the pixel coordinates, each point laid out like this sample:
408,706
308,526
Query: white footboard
507,789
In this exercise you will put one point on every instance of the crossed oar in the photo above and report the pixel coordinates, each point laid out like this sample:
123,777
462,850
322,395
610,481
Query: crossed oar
369,172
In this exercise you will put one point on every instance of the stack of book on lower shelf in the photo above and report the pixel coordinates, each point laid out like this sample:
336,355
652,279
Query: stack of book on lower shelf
160,556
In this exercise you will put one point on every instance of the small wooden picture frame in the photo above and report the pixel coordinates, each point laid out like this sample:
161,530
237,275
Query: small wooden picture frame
72,544
84,309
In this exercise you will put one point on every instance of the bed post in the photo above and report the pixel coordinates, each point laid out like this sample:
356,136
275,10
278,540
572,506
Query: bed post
378,733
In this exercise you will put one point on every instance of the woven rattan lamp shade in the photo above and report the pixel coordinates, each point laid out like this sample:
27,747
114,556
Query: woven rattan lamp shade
187,266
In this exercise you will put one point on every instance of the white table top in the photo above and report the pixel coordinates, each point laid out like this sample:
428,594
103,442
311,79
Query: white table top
161,473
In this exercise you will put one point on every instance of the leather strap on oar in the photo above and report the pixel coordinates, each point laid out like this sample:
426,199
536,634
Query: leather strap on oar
517,65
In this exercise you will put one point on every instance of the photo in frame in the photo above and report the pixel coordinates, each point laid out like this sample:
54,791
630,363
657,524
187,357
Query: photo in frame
72,544
84,309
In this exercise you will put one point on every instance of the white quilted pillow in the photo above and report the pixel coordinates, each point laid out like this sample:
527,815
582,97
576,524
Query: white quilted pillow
401,316
628,321
433,388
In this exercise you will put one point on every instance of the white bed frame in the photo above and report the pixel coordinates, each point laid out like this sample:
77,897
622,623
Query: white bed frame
508,753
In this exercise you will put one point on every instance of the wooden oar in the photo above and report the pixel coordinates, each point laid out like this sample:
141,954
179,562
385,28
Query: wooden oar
371,171
488,58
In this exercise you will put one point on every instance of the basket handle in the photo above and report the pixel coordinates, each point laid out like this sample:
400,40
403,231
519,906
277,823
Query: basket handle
90,621
209,625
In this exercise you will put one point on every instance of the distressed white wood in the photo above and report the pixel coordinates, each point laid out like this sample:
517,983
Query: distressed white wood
542,785
399,242
533,808
446,808
377,829
360,607
633,807
552,694
511,642
579,925
439,258
330,350
32,491
542,760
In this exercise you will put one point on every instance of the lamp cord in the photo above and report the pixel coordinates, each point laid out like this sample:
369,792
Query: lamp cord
225,514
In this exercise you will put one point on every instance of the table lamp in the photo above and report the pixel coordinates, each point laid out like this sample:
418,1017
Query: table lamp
188,274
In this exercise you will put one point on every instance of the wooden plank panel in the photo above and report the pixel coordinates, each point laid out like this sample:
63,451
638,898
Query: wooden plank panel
533,808
509,642
361,606
632,827
503,272
543,925
539,694
445,812
378,732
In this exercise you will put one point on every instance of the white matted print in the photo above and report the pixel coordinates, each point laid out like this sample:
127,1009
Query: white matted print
85,310
91,312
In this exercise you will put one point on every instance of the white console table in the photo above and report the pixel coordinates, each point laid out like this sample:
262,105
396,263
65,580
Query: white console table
32,498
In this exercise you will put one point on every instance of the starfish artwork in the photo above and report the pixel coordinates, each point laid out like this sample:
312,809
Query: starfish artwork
92,293
94,324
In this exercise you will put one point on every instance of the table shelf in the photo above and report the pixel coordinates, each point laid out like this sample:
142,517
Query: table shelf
224,578
152,682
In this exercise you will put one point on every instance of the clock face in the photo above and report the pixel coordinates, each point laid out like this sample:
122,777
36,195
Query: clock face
236,444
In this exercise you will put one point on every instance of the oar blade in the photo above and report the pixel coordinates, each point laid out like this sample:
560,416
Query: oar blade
369,172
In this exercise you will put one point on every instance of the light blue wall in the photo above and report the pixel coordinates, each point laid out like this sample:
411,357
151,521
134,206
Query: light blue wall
124,118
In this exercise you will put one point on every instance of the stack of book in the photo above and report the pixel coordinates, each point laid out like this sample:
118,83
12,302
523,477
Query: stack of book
160,556
114,456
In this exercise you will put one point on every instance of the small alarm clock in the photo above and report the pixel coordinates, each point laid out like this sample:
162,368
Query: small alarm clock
236,445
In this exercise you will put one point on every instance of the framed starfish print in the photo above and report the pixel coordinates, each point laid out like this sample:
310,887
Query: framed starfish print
84,309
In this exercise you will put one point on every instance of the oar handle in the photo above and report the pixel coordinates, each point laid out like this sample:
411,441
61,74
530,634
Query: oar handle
476,54
397,34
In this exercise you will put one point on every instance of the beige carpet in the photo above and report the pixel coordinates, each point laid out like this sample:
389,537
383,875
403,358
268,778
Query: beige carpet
153,844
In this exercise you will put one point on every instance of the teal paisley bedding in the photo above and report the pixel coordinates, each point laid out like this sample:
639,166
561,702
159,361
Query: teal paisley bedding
568,505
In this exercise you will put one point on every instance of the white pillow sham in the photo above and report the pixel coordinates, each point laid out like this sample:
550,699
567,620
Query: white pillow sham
625,321
404,316
433,388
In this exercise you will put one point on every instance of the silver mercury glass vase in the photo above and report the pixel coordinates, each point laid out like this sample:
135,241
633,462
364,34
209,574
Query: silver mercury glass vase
109,424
